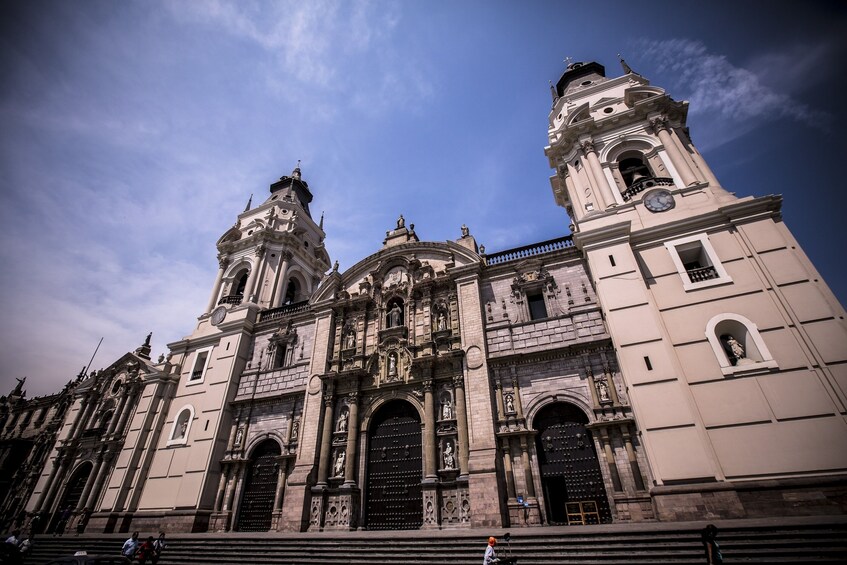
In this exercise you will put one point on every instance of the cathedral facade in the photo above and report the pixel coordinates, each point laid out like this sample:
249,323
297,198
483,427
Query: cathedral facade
676,357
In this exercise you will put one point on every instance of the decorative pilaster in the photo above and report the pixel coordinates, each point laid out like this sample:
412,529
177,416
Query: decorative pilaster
633,460
462,423
326,435
660,127
606,444
429,433
216,288
352,439
281,274
601,187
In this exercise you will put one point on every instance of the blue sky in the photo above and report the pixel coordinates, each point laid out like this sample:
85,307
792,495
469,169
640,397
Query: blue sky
133,133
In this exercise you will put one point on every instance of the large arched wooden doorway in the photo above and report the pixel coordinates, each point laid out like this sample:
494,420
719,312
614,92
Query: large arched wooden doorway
257,502
71,495
394,469
574,492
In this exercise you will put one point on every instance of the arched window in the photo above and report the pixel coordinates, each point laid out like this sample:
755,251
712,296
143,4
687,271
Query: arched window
290,291
633,168
738,345
240,283
181,426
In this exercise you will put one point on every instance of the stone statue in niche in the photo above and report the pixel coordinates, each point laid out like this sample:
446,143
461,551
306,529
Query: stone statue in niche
510,404
395,316
351,339
603,391
341,426
295,429
338,468
183,428
449,459
441,322
734,348
447,409
239,435
392,364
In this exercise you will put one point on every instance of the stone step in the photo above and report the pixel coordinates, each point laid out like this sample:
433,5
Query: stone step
742,541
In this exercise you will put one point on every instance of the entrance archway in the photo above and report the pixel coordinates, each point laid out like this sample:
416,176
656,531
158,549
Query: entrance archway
257,502
70,498
571,479
394,469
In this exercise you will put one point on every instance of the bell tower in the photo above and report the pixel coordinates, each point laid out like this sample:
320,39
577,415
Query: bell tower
270,260
724,330
620,141
274,255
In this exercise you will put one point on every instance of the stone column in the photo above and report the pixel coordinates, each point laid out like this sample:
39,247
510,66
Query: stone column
633,460
429,433
216,288
254,274
51,482
281,274
130,407
83,408
118,413
516,388
105,469
462,423
659,125
89,484
602,190
352,439
507,464
592,386
219,499
501,407
280,483
326,435
527,469
606,444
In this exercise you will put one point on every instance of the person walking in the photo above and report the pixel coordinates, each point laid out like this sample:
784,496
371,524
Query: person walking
490,553
145,551
158,546
710,545
130,546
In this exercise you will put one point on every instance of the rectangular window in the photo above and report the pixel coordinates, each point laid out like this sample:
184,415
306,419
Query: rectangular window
697,263
279,356
200,365
537,309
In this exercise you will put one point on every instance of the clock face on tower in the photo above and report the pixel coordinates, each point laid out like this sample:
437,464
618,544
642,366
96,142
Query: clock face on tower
658,200
218,315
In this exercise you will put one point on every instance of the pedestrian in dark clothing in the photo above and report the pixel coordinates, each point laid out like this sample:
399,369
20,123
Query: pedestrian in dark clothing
710,545
158,546
145,551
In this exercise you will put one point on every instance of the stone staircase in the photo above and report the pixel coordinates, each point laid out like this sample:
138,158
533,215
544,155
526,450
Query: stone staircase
788,540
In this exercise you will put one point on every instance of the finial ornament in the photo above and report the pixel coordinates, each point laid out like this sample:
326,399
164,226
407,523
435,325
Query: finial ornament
321,225
626,68
568,61
249,203
296,172
401,222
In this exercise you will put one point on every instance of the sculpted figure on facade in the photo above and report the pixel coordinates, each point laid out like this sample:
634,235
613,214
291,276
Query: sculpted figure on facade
603,391
341,426
351,339
392,364
510,404
449,459
395,316
736,350
441,323
338,468
447,409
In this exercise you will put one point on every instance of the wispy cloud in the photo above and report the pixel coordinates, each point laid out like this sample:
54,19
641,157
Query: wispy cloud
737,97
